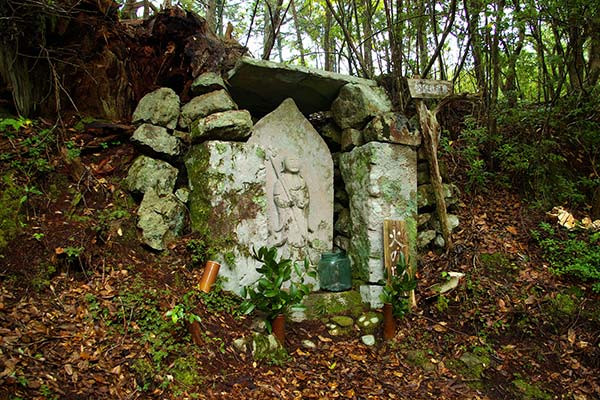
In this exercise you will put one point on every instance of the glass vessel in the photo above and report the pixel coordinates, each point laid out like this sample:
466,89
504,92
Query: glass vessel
335,274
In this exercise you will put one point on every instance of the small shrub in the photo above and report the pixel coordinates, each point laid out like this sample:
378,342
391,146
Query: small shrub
576,254
396,291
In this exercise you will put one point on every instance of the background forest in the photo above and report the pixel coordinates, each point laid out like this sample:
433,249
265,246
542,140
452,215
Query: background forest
531,69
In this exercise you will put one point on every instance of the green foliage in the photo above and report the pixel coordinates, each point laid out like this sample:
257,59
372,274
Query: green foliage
31,147
178,314
15,124
475,140
396,290
441,303
551,154
199,251
530,391
72,150
576,254
268,295
42,277
169,361
220,301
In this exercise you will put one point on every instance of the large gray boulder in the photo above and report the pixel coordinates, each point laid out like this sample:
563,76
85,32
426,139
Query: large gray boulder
228,203
157,139
160,107
357,103
232,125
161,219
393,128
380,179
147,173
260,86
204,105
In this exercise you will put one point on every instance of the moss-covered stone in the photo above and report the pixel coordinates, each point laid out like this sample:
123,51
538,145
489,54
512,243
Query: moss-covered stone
322,305
380,180
227,205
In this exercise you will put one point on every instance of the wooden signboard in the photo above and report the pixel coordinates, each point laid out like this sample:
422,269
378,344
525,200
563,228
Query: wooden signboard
395,241
429,89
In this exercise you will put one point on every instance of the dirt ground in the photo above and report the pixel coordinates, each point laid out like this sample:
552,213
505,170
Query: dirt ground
83,308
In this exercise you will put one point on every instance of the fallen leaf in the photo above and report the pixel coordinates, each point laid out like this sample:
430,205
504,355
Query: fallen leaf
512,229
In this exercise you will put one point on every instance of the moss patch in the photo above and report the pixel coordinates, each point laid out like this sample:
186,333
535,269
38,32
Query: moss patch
322,305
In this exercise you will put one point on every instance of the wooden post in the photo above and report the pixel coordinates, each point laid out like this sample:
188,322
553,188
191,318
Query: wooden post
430,129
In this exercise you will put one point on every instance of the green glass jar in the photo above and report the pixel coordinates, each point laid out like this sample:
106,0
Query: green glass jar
335,274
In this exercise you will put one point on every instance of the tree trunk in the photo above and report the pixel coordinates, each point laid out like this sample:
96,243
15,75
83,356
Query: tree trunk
298,33
472,18
273,20
327,41
211,9
352,47
368,37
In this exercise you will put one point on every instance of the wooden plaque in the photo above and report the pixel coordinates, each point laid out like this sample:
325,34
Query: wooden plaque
395,241
429,88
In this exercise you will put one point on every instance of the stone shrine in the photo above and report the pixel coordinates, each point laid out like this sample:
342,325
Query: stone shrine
280,181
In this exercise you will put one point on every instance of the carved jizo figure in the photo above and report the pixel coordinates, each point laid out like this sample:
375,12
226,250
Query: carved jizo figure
292,200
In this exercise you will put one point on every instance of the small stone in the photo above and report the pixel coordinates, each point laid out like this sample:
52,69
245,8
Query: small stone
160,107
453,223
297,314
148,173
423,218
156,139
368,340
356,103
424,238
393,128
308,344
205,105
331,132
351,138
439,241
241,344
227,125
183,194
161,218
207,82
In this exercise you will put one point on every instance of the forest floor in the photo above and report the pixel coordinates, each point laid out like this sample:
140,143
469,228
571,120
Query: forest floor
83,304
